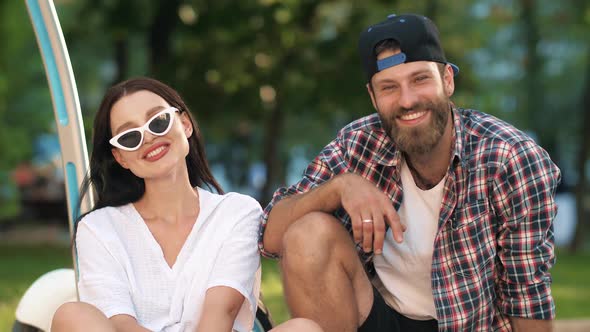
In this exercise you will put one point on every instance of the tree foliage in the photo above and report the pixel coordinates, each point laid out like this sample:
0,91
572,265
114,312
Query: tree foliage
271,81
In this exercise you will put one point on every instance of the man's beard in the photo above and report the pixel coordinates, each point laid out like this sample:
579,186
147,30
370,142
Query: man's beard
423,138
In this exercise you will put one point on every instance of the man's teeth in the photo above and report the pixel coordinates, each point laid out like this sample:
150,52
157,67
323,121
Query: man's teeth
155,152
412,116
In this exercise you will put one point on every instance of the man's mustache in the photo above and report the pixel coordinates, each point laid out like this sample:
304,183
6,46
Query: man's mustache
419,106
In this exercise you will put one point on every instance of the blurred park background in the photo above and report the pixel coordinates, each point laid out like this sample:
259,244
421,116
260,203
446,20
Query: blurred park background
271,81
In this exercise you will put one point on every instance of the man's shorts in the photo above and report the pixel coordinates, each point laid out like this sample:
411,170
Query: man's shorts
383,318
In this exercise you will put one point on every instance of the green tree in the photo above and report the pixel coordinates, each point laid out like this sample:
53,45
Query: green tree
582,188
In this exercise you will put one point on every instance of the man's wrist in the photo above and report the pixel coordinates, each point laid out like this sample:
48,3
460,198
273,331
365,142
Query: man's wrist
338,184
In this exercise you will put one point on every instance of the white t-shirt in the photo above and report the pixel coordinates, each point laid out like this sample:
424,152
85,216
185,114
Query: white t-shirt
122,269
404,269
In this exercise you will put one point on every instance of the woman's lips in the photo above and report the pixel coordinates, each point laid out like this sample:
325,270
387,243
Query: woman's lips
156,152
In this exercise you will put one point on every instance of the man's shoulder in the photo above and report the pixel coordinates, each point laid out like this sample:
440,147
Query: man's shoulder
486,138
481,125
367,124
362,141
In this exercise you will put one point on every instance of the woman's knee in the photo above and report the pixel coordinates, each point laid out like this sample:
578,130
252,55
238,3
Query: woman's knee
298,324
78,316
304,324
65,314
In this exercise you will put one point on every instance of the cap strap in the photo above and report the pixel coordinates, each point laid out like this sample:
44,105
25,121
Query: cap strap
391,61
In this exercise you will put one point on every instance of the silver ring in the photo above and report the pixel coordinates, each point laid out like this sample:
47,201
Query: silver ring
367,220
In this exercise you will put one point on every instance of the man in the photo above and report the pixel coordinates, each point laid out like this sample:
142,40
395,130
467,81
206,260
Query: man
450,209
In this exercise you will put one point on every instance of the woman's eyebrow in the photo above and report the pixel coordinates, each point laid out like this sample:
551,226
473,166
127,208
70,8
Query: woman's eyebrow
153,111
148,115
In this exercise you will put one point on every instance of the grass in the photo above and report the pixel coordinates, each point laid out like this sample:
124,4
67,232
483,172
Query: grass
20,265
272,291
571,288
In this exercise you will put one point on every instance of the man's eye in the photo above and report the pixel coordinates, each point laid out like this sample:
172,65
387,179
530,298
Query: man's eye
421,78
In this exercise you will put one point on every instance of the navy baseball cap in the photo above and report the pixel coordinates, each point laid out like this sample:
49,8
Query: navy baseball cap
418,40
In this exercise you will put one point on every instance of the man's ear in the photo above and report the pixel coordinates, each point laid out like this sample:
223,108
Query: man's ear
119,158
372,95
449,81
187,125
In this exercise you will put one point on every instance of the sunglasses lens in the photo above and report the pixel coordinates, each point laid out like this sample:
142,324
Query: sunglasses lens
160,123
131,139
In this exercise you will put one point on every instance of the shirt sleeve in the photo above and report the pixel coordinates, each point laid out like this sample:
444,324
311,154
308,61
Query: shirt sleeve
102,280
524,192
238,262
329,162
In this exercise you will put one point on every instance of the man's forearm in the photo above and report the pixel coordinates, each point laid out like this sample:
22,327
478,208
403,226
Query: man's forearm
324,198
533,325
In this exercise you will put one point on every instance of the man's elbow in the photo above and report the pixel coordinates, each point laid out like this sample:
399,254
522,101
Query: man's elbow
271,247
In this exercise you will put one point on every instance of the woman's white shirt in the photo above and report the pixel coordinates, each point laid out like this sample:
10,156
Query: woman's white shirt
122,269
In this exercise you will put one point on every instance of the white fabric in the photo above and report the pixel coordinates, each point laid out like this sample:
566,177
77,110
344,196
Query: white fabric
404,269
123,270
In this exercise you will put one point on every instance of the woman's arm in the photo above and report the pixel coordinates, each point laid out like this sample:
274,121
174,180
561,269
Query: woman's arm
220,309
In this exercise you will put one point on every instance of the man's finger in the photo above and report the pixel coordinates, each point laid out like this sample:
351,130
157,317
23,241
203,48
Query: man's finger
367,233
378,232
357,228
397,229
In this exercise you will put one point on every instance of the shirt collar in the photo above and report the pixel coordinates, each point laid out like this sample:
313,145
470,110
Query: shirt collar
459,127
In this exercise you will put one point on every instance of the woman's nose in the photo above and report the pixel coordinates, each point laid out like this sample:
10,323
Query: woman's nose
148,137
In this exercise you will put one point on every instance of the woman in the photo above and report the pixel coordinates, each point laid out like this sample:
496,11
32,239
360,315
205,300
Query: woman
159,252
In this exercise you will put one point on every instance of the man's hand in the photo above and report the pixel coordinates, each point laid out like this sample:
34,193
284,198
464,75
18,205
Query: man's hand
532,325
359,197
369,209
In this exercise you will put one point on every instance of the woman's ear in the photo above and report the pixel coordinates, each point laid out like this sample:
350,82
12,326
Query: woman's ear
186,124
119,158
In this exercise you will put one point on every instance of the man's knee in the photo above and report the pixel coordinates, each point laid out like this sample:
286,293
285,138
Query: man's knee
312,240
311,232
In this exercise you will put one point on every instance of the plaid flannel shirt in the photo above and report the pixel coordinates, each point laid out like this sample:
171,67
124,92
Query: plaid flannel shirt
494,246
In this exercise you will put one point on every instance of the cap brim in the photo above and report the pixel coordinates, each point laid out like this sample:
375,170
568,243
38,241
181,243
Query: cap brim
455,68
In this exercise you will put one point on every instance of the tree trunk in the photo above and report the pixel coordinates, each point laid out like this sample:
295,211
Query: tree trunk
271,158
274,164
431,10
160,31
121,58
582,185
532,64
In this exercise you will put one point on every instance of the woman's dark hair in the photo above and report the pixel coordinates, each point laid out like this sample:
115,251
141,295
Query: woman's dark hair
115,185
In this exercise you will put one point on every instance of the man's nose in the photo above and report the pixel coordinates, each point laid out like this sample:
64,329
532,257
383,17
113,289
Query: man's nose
407,97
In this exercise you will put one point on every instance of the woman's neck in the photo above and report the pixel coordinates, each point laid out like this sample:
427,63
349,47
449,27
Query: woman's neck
168,199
